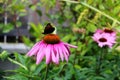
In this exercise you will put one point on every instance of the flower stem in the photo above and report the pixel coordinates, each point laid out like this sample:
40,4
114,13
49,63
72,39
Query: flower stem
114,23
98,65
47,67
100,59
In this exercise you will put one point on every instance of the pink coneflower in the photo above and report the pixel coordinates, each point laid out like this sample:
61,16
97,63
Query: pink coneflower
104,39
50,47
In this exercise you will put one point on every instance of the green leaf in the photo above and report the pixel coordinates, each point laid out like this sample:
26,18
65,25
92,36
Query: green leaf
27,41
101,6
96,78
20,58
6,27
67,38
39,68
77,66
117,28
39,12
77,8
17,77
16,62
91,27
33,7
4,55
34,27
57,71
36,30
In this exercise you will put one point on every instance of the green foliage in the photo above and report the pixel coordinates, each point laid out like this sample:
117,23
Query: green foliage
88,61
27,68
5,28
13,9
16,6
37,29
3,55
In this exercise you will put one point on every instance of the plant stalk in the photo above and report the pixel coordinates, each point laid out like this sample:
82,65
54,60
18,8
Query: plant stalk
47,67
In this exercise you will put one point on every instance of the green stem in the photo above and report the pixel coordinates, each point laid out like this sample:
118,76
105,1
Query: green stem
100,59
46,72
114,23
98,65
102,13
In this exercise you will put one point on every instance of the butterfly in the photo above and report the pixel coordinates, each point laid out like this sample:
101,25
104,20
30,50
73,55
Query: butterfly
48,29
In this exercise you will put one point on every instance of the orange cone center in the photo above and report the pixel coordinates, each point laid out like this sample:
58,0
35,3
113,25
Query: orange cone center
51,39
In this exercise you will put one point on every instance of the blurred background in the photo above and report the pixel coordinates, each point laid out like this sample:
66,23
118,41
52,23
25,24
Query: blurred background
23,21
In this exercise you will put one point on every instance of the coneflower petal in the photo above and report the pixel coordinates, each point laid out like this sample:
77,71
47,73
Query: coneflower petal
72,46
47,53
33,51
53,55
64,52
57,56
34,48
65,49
56,52
40,57
41,53
60,53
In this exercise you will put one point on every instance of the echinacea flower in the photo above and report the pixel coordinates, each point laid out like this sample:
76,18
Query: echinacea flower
104,39
50,47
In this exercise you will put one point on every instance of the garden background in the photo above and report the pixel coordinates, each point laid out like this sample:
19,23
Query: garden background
76,22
